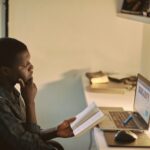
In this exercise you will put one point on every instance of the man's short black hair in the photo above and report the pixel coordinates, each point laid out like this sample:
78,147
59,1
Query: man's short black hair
9,48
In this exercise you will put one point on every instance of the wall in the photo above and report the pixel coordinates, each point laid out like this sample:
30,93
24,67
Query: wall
84,34
145,62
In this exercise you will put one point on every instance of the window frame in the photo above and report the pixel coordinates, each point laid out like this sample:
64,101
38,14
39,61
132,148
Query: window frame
4,10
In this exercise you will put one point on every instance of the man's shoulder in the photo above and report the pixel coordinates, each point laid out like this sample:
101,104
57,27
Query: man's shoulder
4,94
3,100
4,106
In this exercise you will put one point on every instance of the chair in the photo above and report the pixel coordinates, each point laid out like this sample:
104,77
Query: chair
55,144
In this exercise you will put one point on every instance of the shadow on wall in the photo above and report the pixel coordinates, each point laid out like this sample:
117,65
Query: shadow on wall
61,100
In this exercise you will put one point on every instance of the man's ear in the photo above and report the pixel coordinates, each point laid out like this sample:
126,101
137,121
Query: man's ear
5,70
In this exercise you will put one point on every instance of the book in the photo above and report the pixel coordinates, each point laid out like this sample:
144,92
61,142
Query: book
123,78
102,79
87,119
97,77
119,76
111,87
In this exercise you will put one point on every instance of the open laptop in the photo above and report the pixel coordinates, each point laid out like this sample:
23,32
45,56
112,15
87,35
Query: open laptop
139,119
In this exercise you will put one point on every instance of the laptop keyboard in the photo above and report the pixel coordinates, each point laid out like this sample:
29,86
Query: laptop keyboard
119,117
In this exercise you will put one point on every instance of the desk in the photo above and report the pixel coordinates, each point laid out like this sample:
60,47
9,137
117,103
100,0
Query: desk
125,100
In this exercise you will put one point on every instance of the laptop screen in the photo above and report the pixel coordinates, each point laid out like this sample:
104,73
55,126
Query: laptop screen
142,98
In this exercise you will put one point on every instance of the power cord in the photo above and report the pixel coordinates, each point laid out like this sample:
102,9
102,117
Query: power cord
91,139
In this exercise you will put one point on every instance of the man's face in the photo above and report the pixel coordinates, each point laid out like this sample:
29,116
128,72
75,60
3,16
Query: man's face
22,69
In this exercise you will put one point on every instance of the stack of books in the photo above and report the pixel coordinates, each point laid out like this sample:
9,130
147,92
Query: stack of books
108,83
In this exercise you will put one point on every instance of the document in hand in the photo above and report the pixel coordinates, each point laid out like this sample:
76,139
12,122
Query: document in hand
87,119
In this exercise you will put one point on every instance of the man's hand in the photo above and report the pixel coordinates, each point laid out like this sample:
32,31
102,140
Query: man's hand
64,130
28,91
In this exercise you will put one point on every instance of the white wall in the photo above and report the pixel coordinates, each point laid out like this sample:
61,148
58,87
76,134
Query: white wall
76,34
145,62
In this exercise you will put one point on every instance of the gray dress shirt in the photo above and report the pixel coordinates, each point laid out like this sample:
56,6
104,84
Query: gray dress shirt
15,133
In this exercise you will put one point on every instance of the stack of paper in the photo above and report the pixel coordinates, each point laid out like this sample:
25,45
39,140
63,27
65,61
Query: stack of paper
110,87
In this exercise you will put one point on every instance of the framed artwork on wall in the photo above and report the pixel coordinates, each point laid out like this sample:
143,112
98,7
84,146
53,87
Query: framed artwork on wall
136,7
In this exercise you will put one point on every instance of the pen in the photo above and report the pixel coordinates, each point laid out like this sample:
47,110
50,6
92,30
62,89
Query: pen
128,119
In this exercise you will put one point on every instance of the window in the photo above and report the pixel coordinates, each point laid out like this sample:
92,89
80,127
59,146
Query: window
3,18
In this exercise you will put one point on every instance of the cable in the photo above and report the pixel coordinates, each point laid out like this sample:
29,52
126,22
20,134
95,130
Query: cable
91,139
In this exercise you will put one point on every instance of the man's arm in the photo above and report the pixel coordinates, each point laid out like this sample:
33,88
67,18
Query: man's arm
14,135
48,134
63,130
28,92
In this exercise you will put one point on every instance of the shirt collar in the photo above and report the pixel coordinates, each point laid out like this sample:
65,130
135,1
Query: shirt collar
5,94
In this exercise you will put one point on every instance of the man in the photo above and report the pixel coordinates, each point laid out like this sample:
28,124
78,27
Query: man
18,124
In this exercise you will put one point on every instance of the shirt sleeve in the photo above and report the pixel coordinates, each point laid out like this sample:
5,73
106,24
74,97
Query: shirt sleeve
48,134
13,133
32,127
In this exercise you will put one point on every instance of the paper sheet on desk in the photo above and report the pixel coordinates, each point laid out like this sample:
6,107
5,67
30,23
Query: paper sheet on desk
148,133
110,87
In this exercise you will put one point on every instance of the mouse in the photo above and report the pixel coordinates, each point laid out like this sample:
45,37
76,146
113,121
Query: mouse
125,136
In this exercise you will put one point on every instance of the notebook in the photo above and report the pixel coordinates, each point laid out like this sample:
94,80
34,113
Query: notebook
138,119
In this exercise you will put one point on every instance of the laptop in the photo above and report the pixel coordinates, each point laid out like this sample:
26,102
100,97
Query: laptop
138,119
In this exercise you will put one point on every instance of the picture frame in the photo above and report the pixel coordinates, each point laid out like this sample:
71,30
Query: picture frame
136,7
